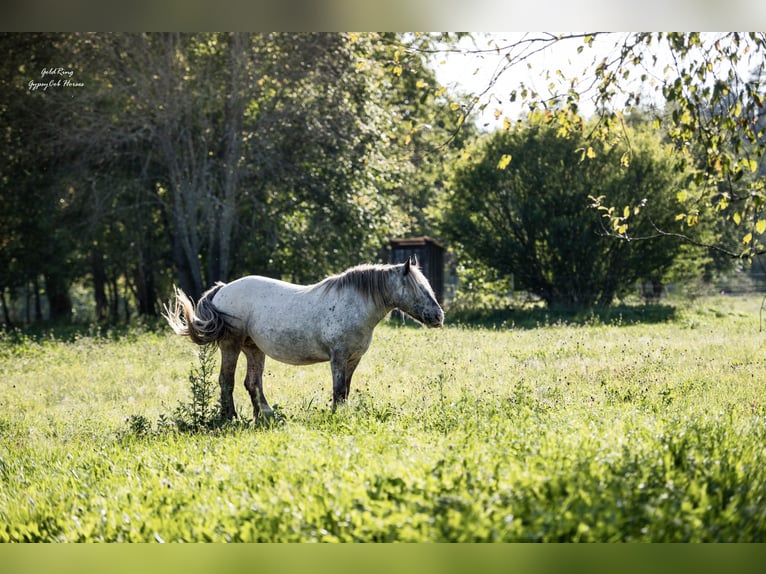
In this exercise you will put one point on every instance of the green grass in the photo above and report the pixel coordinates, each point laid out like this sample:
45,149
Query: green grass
577,430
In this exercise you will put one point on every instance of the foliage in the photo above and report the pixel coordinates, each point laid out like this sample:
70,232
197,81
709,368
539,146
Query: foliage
708,101
202,412
521,205
597,432
192,158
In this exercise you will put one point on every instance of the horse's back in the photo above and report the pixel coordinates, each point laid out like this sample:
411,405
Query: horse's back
280,317
243,297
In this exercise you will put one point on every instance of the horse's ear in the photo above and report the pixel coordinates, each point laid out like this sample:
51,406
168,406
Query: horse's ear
412,260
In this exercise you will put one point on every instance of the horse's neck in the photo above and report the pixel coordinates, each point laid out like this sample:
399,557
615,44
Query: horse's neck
362,308
369,311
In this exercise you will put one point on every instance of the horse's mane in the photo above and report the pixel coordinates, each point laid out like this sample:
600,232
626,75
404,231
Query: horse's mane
371,280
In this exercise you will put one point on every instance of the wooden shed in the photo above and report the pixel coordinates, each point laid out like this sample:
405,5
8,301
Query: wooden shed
430,258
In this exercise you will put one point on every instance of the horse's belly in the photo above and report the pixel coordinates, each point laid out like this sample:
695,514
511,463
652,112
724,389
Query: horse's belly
291,347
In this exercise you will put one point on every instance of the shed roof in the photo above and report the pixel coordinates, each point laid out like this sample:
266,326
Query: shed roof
415,242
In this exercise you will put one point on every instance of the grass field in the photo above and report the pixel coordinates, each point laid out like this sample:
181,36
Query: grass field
598,429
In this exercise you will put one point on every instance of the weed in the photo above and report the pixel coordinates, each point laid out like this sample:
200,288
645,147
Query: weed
202,412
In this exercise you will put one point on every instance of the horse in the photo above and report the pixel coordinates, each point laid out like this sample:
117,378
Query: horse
332,320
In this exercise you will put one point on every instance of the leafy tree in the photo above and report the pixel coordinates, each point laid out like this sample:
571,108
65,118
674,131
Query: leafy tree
192,158
712,100
523,206
37,252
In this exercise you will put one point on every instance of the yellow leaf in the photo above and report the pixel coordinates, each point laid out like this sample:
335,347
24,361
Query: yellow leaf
747,238
506,124
397,70
625,160
504,161
454,107
420,84
737,218
498,113
760,227
590,153
626,212
680,216
717,165
682,195
622,229
407,139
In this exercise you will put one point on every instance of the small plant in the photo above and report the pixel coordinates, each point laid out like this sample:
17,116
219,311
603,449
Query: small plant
203,411
139,425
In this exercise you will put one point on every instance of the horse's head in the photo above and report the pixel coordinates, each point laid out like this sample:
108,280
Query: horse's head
413,295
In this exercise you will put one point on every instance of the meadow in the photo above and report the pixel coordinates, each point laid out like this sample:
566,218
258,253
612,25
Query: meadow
590,428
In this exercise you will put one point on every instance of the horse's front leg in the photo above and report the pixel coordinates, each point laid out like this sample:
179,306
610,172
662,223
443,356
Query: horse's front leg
342,371
229,354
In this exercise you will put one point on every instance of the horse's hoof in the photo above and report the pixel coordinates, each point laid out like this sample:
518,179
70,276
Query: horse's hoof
266,418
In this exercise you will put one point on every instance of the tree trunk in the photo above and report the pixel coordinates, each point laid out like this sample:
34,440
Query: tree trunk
38,302
115,302
6,314
220,255
58,298
99,284
145,293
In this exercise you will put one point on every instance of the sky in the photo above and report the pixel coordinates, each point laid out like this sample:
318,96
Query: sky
472,68
472,73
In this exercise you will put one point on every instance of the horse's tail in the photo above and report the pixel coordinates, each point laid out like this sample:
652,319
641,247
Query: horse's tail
202,323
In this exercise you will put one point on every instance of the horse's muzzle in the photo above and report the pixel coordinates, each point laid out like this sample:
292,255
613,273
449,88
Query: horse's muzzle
437,320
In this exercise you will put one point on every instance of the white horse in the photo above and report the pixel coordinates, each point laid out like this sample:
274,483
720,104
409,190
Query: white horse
332,320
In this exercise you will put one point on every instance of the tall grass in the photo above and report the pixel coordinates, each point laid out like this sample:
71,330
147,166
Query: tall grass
596,430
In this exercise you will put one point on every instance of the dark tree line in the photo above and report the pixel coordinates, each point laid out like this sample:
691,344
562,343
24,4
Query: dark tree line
194,158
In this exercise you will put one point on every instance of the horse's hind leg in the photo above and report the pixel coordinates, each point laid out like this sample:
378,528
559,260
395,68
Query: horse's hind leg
256,359
230,349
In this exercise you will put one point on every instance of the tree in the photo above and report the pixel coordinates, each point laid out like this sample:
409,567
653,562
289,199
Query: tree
37,254
523,206
192,158
712,90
